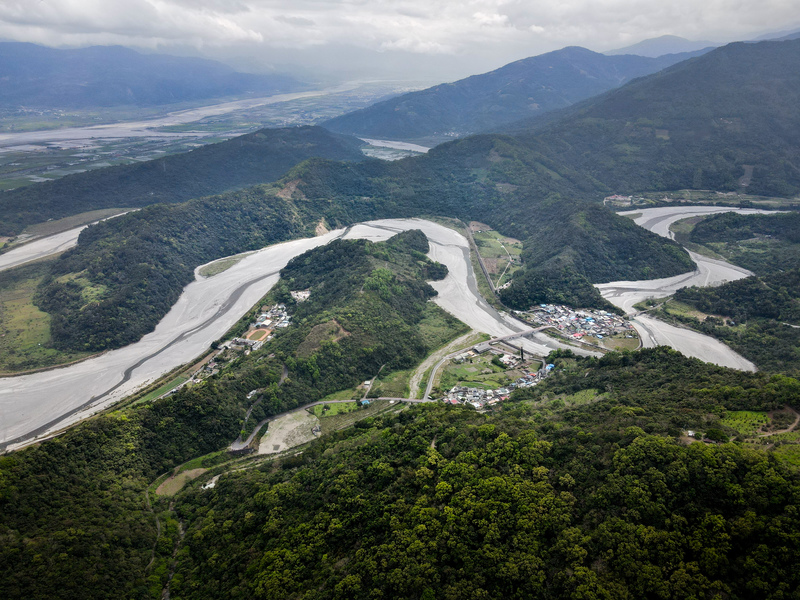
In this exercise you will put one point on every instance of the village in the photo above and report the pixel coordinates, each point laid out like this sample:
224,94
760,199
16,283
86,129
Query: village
596,327
259,332
495,371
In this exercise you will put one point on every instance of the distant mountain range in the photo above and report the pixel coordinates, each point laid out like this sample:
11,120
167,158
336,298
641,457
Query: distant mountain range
698,124
524,88
666,44
102,76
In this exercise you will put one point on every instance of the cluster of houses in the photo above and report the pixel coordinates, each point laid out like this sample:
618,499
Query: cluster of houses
275,317
579,323
475,396
259,332
481,398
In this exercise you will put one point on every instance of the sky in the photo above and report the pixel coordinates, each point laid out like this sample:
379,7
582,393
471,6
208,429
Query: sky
470,34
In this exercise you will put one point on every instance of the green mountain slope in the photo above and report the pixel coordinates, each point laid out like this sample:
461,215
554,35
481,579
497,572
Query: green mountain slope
727,109
73,517
725,121
257,157
483,102
126,273
578,487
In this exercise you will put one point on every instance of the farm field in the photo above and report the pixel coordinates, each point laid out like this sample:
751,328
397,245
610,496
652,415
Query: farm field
342,419
172,485
746,422
500,254
329,410
392,385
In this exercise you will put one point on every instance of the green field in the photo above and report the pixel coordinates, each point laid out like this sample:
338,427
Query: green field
789,453
470,374
163,389
392,385
496,251
354,413
348,394
258,335
438,327
24,329
745,422
218,266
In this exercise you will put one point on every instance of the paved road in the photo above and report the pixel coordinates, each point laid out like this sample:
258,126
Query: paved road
439,364
33,405
653,332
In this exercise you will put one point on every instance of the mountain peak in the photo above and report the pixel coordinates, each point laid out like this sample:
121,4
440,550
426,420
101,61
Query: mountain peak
659,46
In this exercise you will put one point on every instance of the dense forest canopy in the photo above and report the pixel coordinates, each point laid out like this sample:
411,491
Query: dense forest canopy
577,488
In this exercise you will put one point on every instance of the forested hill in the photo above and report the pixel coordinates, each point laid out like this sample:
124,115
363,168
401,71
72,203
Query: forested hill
483,102
126,273
561,496
41,77
700,124
246,160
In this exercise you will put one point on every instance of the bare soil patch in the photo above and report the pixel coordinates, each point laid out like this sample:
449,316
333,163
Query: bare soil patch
289,190
287,432
173,485
476,226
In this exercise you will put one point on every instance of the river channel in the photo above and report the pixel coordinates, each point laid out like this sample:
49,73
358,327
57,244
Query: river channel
31,406
653,332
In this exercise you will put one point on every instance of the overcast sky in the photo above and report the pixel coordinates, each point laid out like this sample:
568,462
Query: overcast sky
485,30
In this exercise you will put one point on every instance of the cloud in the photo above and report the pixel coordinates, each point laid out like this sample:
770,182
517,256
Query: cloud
295,21
505,28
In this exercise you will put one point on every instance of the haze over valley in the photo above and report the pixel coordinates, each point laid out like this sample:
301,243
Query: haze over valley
382,301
